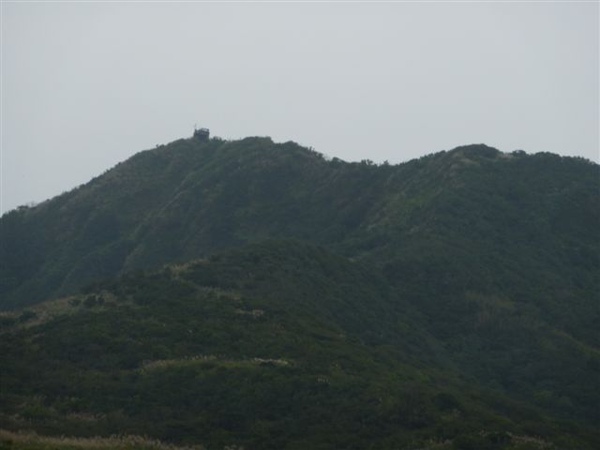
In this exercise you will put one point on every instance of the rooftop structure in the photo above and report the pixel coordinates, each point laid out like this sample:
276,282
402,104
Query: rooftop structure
202,134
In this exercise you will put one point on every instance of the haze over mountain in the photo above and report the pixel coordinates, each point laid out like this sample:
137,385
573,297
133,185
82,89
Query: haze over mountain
381,80
259,294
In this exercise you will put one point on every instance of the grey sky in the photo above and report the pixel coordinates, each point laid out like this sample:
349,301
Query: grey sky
86,85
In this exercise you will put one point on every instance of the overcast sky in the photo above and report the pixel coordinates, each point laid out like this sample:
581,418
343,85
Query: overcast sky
86,85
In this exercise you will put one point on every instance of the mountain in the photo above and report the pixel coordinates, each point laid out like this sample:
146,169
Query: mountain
276,345
191,198
258,294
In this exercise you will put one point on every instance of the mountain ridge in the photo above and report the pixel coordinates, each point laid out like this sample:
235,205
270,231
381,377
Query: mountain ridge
468,276
163,189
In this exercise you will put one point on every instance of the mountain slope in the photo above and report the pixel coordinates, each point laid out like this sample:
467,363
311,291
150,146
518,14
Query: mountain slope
278,345
177,202
189,198
472,266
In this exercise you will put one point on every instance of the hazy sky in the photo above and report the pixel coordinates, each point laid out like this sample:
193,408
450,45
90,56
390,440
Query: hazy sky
88,84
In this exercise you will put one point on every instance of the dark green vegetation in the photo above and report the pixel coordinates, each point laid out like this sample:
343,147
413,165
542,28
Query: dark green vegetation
450,302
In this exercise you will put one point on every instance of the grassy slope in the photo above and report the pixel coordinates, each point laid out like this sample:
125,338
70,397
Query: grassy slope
280,345
32,441
485,266
500,218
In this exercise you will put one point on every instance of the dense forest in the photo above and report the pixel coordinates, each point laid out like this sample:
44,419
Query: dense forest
249,294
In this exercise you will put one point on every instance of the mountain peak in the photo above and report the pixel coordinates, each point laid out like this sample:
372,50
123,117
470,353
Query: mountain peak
250,285
475,151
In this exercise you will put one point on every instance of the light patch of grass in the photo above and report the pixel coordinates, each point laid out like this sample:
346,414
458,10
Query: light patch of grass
31,441
228,363
49,310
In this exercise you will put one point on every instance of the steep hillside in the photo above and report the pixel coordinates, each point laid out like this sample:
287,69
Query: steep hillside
177,202
500,214
279,345
469,274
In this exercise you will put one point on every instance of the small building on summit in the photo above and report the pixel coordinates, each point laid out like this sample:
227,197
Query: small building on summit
202,134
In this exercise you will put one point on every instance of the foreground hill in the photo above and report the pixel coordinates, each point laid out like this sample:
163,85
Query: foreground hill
278,345
448,302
